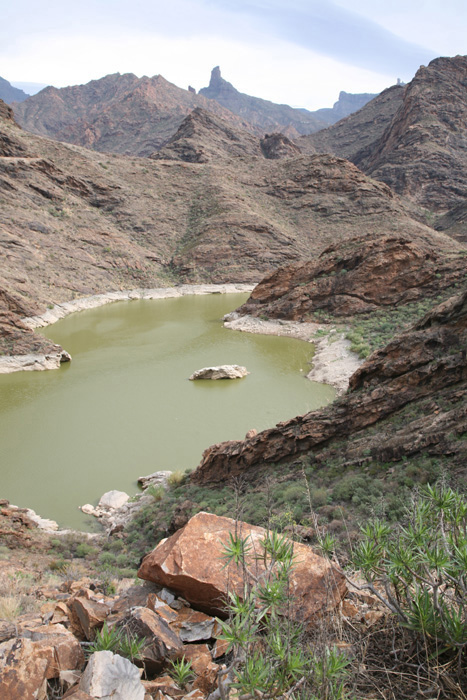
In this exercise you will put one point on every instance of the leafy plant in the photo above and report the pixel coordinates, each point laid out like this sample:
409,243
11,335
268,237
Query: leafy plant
119,641
181,672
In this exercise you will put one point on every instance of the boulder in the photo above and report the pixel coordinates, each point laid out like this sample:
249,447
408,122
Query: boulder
22,671
221,372
91,614
113,499
154,479
190,563
162,643
109,676
58,647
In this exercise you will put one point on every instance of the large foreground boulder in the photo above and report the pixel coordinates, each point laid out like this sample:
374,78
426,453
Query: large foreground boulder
191,563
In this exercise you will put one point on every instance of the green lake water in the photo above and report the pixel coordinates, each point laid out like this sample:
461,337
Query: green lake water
124,406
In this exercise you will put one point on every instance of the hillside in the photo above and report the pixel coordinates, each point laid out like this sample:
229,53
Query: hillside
357,131
413,138
10,94
407,401
116,114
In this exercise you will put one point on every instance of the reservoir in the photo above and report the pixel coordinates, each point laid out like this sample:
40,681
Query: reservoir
124,406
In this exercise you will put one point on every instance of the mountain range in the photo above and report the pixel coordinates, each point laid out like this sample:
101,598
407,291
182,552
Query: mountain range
137,116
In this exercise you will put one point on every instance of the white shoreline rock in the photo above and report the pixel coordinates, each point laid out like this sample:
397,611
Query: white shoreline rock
59,311
220,372
32,362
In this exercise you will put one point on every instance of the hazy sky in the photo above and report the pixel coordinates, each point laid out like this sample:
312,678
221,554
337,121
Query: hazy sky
300,52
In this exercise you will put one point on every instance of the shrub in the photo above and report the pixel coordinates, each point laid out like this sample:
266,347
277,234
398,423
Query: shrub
422,568
269,658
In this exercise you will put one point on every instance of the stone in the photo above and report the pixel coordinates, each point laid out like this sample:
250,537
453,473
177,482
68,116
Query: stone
190,563
23,674
158,606
192,625
58,646
162,642
220,372
154,479
91,614
113,499
165,685
198,654
109,676
207,679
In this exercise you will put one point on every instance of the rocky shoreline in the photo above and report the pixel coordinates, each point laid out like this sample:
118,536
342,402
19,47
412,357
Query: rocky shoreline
333,361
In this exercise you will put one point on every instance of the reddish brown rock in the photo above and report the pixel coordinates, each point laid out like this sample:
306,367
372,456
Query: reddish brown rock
358,276
91,614
58,647
198,654
162,642
23,674
190,563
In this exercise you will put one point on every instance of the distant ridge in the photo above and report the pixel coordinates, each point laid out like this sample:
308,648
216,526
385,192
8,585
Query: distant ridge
138,116
10,94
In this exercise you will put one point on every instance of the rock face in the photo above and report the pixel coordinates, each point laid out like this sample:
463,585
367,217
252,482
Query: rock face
109,676
359,276
190,563
220,372
22,675
413,138
426,364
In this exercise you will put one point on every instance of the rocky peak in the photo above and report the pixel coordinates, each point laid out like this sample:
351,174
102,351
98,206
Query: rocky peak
277,145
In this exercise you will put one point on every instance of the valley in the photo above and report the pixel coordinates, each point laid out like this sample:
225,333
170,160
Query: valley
359,228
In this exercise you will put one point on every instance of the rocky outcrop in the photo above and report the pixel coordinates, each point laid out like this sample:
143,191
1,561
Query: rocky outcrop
262,114
413,138
427,363
348,103
277,145
202,137
220,372
360,276
191,563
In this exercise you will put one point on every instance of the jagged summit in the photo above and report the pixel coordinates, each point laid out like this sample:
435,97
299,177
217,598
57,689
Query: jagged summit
263,114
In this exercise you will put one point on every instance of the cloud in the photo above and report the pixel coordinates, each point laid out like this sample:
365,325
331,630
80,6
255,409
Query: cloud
334,31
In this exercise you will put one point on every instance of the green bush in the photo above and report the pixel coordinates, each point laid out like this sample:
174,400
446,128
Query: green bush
419,570
268,655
